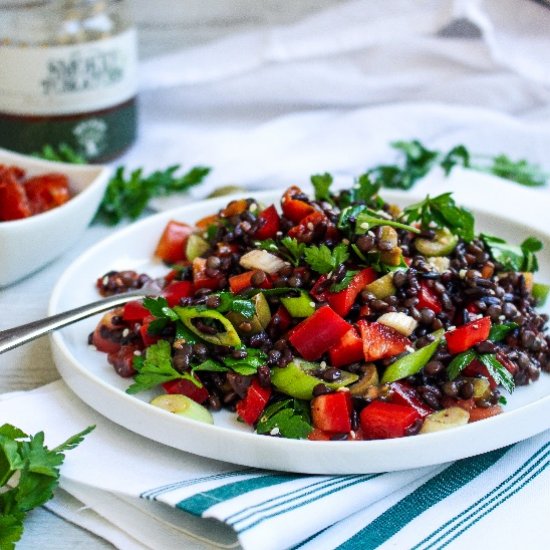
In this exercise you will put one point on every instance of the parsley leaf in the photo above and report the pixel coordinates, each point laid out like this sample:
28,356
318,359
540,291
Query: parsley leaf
418,161
498,371
38,470
321,183
127,196
63,153
344,283
322,259
458,155
514,258
295,250
288,418
159,308
366,190
441,211
459,363
248,365
156,368
520,171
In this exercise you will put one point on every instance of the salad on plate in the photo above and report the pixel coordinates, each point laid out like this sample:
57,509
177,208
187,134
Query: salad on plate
336,316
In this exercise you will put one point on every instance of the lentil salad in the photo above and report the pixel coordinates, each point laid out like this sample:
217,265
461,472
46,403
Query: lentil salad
341,317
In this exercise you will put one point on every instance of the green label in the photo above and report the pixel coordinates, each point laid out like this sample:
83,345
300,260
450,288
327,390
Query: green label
97,136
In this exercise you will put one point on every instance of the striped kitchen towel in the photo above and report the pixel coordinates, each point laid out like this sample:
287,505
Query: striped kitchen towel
158,497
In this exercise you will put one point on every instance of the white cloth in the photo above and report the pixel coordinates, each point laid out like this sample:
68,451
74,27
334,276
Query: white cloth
270,107
156,495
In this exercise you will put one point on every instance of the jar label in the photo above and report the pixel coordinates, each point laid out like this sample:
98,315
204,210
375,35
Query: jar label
73,79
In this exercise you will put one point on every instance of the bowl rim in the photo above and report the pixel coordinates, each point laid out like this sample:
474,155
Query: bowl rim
100,174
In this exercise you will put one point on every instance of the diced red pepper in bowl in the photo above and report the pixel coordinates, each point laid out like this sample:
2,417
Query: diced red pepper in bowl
381,341
250,408
468,335
342,301
295,209
348,350
177,290
171,246
381,420
332,412
269,223
316,334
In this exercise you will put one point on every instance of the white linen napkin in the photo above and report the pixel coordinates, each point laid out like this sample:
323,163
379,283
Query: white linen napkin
124,478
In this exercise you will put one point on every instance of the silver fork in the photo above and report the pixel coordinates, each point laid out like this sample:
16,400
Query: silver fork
17,336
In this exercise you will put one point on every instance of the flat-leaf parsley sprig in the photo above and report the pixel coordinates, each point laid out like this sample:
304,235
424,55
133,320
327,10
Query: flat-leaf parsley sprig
416,160
32,472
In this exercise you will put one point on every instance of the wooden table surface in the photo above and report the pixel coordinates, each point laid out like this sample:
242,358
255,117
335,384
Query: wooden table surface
161,29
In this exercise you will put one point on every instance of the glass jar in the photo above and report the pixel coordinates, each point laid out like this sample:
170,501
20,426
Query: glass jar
68,76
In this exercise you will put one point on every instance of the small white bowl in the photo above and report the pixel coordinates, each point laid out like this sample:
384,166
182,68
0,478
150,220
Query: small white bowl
28,244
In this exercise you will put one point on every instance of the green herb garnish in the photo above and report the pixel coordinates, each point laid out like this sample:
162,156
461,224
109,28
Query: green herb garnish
440,212
459,363
498,371
416,161
295,250
344,283
514,258
38,470
499,332
321,184
323,260
288,418
156,368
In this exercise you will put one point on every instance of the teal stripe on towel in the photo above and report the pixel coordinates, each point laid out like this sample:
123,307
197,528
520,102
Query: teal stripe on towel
199,503
424,497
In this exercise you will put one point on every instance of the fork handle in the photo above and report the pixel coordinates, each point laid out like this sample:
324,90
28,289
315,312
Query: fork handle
14,337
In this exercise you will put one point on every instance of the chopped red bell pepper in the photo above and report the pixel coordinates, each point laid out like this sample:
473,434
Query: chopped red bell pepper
381,420
348,350
319,332
187,387
342,301
148,339
171,246
295,209
403,394
252,405
428,298
320,289
381,341
280,321
202,280
468,335
269,223
305,225
177,290
239,282
135,311
47,191
332,412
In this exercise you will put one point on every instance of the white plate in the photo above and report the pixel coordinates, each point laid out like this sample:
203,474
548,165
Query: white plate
87,373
